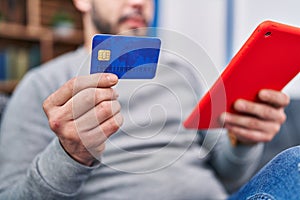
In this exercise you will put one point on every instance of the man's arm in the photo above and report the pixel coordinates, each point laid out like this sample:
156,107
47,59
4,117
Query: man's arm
51,175
256,123
34,164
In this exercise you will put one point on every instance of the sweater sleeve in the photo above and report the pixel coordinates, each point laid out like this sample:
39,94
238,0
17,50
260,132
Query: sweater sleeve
234,165
33,165
51,175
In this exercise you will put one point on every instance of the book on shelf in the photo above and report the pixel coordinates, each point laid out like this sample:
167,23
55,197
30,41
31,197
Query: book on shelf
13,11
16,61
2,65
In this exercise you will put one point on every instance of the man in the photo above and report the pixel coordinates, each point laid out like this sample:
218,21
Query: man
148,156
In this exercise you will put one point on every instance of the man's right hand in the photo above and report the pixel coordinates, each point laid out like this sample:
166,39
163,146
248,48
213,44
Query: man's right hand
83,113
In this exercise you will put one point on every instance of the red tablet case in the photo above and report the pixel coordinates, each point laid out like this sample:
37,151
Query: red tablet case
269,59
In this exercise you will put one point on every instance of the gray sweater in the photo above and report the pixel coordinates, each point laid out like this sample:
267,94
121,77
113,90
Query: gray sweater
151,157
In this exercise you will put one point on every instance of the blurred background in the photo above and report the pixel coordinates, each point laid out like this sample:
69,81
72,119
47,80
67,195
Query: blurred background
222,26
35,31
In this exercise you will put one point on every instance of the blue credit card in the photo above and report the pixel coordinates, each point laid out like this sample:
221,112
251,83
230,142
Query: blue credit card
128,57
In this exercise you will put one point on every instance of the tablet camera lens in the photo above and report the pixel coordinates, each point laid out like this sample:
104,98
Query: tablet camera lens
267,34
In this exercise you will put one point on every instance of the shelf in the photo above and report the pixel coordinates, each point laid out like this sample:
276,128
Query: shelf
21,32
27,36
46,36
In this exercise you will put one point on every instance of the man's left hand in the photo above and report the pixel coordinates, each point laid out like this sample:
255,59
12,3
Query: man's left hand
257,122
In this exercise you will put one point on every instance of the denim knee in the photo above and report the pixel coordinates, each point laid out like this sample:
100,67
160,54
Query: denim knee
279,179
292,152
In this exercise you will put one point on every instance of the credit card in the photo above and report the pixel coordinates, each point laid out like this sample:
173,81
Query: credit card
129,57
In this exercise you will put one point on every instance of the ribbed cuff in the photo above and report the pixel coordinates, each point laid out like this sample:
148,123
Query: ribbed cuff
60,171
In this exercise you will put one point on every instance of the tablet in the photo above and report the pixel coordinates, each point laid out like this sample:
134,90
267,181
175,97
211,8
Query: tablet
269,59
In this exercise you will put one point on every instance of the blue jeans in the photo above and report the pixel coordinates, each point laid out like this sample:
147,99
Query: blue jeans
279,179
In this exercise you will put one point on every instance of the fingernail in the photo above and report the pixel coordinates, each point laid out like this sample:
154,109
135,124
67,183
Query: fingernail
264,94
112,78
222,118
116,94
240,105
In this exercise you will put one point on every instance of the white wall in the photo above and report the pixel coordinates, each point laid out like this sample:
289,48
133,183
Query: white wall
202,20
205,22
249,13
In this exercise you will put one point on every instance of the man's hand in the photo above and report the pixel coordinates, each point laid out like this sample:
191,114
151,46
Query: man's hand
83,113
257,122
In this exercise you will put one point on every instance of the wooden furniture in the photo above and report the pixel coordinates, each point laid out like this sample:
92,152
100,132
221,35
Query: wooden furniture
28,25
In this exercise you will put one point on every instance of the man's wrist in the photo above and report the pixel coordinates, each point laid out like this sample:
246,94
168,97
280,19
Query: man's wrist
60,171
